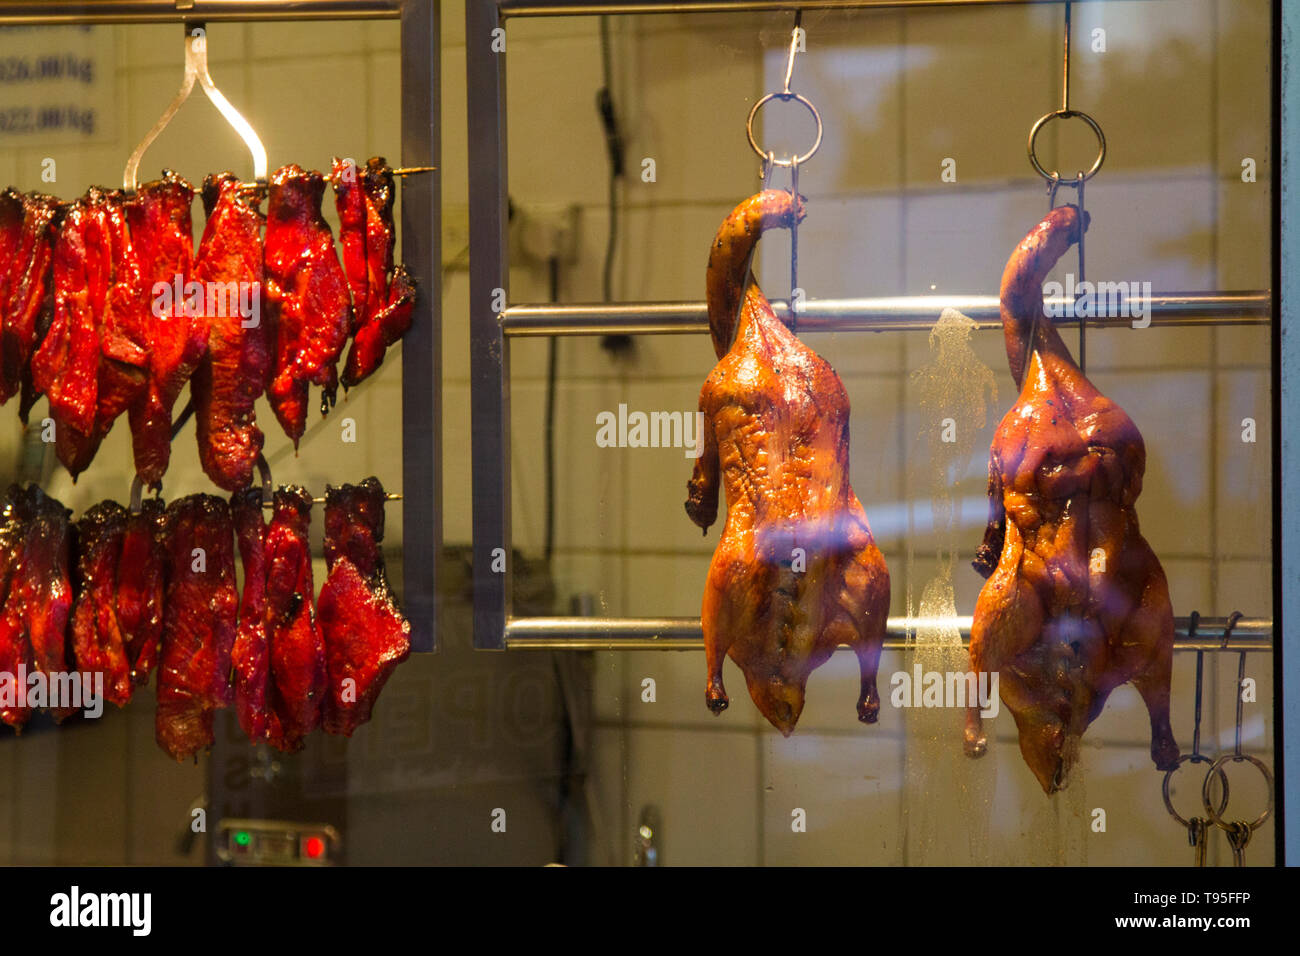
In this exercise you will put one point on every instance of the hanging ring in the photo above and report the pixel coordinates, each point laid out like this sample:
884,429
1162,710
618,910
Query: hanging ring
807,103
1067,114
1216,815
1194,758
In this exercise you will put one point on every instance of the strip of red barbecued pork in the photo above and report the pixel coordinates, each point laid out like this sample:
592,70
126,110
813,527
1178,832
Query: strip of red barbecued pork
141,584
27,297
176,337
251,657
15,650
238,364
199,623
93,362
97,643
297,647
306,294
42,586
366,636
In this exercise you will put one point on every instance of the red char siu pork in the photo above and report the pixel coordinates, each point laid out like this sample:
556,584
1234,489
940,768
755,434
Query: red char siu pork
15,650
199,623
39,602
297,648
94,361
238,364
306,294
141,584
383,296
366,636
162,233
252,656
97,642
28,224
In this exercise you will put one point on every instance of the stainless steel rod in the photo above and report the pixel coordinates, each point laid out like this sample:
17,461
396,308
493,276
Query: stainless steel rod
583,8
887,314
683,633
48,12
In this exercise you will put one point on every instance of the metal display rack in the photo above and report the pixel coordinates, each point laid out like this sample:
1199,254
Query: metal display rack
420,237
494,322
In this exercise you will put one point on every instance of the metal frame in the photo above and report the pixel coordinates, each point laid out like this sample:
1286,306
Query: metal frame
420,236
494,322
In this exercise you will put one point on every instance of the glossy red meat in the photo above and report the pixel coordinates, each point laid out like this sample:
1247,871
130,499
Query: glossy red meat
251,657
383,297
40,592
199,623
25,289
141,583
297,648
350,204
237,367
176,337
97,642
354,527
306,294
366,636
93,362
15,652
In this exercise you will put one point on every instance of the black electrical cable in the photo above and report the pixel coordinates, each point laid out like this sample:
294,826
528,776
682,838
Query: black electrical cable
615,344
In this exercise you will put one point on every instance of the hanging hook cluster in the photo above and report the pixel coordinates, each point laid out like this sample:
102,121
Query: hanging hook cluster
770,161
1054,180
1239,832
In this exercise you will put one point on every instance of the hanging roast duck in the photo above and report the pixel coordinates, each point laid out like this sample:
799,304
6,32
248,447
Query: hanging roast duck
1076,602
796,572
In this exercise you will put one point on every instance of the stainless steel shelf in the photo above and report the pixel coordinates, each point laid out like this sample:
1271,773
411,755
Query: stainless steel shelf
884,314
683,633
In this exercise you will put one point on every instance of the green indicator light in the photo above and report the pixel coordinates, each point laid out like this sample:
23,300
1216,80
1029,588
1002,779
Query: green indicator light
242,838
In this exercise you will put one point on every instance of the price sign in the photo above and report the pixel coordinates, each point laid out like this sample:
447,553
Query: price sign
57,85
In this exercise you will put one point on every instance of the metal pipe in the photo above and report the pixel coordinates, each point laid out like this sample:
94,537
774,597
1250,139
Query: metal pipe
50,12
582,8
421,415
683,633
887,314
489,285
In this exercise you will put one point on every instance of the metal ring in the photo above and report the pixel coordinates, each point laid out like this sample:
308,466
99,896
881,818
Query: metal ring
1194,758
1067,114
749,128
1216,816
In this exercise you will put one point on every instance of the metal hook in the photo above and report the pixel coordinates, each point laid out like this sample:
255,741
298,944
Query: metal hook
1195,756
1066,113
137,495
196,68
264,469
1083,322
786,95
794,242
794,48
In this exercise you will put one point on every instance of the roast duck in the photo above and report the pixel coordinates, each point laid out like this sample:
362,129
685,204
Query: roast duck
1076,602
80,322
796,572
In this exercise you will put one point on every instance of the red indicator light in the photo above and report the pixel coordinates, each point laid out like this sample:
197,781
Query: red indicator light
313,848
